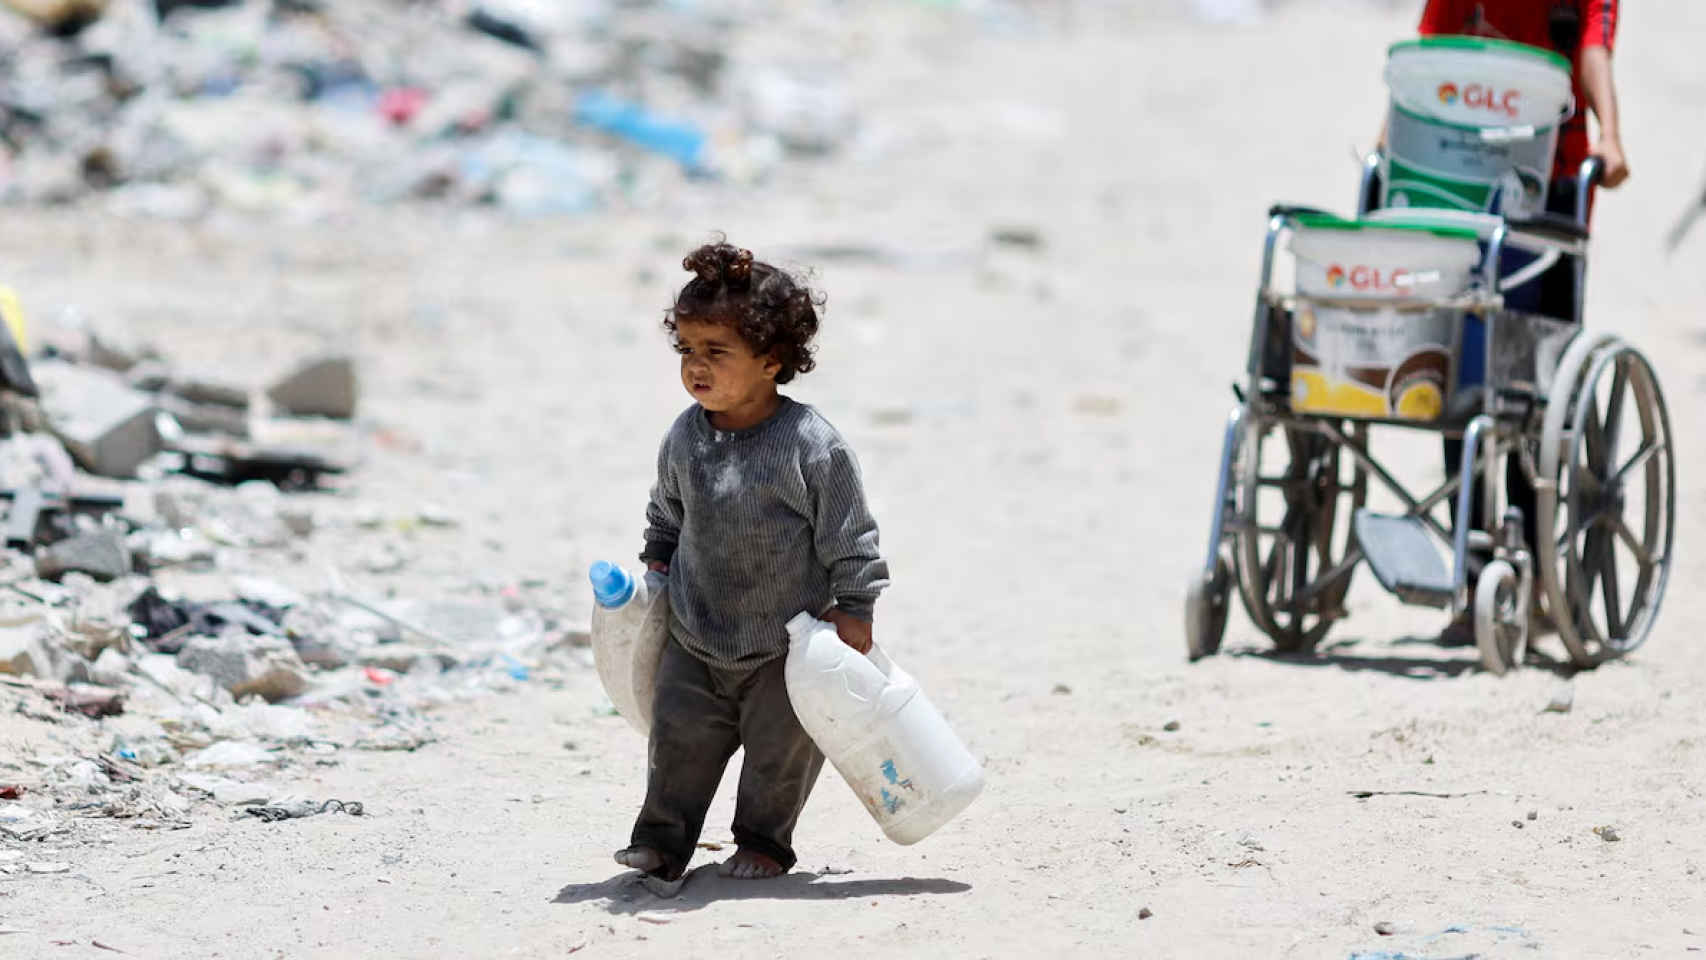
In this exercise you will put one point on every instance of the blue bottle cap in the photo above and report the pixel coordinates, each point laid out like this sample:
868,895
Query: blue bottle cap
612,586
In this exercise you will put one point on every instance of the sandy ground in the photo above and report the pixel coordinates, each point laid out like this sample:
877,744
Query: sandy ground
1039,432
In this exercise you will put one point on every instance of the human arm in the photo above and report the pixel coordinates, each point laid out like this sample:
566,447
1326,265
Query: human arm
1441,18
1601,91
663,516
846,539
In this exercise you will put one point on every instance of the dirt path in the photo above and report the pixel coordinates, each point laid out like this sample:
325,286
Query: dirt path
1038,428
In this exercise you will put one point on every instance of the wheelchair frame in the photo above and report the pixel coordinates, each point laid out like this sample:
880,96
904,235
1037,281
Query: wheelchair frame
1292,578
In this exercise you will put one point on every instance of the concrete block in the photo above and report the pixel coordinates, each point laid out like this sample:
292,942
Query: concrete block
322,388
107,427
246,664
24,652
102,554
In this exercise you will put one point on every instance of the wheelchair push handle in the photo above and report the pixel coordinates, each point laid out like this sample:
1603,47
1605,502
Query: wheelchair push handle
1590,176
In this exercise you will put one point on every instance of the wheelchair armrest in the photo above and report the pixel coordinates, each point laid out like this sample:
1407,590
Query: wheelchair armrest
1553,226
1287,210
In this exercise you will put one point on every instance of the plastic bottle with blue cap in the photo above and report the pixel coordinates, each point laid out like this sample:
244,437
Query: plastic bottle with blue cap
879,731
630,625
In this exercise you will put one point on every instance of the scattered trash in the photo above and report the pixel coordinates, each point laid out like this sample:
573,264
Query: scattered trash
304,808
682,142
1365,794
1025,238
229,754
88,700
1144,913
1608,834
1534,815
223,790
295,109
1462,938
1562,699
22,823
165,620
1171,726
1385,928
248,665
48,867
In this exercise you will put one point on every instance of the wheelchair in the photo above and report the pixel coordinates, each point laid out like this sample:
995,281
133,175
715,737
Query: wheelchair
1580,411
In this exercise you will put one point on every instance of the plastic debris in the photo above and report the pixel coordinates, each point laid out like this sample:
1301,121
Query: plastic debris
304,808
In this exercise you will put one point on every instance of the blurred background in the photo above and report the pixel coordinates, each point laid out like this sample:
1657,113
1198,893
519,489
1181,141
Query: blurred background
393,272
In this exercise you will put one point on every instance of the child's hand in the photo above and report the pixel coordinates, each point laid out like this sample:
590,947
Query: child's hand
658,566
854,632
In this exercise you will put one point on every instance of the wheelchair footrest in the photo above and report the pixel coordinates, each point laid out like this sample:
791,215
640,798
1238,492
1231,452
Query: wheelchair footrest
1405,558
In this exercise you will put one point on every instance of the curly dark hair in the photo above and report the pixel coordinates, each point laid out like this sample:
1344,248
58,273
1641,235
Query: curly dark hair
771,309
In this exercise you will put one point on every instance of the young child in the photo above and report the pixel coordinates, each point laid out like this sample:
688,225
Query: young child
758,513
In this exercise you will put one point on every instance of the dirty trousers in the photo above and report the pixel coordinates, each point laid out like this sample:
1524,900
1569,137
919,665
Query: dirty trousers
701,714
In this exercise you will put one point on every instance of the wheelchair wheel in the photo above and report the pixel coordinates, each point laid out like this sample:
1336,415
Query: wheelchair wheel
1294,503
1611,513
1501,618
1207,602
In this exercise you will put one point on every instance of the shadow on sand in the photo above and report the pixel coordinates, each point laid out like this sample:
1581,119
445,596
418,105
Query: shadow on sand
1433,661
624,894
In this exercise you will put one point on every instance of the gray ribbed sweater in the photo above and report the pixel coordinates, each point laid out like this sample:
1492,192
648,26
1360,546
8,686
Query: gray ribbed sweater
756,526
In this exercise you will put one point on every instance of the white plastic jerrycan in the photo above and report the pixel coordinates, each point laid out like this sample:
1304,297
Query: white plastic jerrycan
630,625
879,731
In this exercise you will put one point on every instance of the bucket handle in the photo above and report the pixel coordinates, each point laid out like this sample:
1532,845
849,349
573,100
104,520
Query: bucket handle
1540,265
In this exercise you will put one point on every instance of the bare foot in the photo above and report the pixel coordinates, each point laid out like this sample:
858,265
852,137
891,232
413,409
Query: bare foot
643,859
746,865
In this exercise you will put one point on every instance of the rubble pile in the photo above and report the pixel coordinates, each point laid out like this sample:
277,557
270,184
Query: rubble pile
168,699
171,109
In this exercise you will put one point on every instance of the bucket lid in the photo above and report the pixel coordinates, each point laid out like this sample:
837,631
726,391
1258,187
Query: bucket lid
1482,224
1483,45
1314,222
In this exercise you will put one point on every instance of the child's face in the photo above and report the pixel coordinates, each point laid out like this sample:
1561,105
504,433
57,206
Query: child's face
718,368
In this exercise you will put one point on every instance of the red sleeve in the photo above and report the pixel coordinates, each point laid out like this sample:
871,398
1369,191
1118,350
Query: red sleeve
1440,17
1599,24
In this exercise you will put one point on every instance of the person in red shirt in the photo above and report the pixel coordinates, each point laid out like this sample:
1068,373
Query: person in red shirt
1584,31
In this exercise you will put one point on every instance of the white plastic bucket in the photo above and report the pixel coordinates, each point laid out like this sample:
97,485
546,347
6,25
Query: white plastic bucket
1474,82
1345,259
1473,124
1375,361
